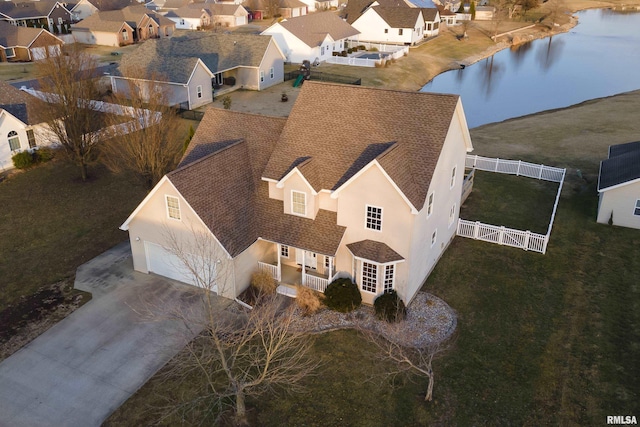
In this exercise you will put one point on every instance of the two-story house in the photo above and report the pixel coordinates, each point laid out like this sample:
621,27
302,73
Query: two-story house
373,195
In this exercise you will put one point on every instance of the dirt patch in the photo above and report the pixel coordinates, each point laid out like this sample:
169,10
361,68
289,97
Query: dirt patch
23,321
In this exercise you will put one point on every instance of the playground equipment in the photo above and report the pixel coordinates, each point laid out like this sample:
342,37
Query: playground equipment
305,70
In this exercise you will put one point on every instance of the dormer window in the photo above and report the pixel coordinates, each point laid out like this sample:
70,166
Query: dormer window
298,203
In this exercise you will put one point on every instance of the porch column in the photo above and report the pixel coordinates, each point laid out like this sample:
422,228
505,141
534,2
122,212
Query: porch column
304,269
278,252
330,267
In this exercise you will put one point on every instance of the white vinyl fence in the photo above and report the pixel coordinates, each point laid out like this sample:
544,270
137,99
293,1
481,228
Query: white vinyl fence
507,236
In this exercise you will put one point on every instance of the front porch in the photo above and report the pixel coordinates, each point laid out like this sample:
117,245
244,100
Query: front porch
294,266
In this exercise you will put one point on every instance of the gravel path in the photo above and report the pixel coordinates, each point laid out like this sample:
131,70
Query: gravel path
429,321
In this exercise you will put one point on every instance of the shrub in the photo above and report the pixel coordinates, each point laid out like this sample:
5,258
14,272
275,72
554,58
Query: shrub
362,47
349,50
23,160
343,53
335,53
373,49
342,295
390,307
226,102
355,48
308,300
264,283
43,154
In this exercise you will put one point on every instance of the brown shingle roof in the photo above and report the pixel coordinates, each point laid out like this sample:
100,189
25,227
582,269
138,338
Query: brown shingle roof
173,59
417,122
12,35
312,29
374,251
398,17
355,8
429,13
220,178
112,20
20,104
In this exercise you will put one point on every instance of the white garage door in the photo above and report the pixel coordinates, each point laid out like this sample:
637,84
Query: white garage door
241,20
162,262
38,53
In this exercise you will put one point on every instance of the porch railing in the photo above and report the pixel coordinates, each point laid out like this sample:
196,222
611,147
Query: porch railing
270,268
316,283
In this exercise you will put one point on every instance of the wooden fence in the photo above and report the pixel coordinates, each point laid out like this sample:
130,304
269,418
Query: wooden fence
508,236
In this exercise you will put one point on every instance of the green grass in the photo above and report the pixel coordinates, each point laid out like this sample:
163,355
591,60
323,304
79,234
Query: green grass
51,223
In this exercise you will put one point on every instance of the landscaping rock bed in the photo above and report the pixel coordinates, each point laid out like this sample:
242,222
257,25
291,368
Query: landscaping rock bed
429,321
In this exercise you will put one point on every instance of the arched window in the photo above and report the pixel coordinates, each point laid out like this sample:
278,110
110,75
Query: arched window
150,30
125,34
14,140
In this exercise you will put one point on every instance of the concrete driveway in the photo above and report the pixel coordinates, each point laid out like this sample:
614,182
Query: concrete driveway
79,371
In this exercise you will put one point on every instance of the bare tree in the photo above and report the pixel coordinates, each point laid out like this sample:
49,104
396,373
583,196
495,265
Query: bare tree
148,143
241,352
556,8
70,86
406,360
504,9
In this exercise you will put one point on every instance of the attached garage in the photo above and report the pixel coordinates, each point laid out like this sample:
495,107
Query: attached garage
241,20
162,262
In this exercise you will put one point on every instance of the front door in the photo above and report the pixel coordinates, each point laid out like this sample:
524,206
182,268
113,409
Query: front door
310,258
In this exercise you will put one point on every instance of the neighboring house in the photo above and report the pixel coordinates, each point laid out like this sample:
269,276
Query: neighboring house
48,14
446,16
21,124
286,8
20,44
228,15
191,66
190,18
81,9
619,186
397,25
122,27
355,8
484,13
431,21
373,196
311,37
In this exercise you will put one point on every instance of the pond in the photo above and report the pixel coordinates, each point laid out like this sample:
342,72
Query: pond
599,57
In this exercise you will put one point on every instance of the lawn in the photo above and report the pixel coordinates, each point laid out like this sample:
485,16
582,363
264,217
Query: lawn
51,223
542,339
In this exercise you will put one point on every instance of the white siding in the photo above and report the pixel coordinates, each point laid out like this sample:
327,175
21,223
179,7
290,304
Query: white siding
372,28
621,202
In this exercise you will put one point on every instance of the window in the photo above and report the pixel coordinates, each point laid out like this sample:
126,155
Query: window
284,251
31,137
321,50
430,205
261,76
369,277
173,207
199,91
181,21
125,34
14,140
299,203
434,237
374,218
150,30
9,52
60,21
326,262
271,73
400,32
452,214
389,271
386,31
636,211
429,26
453,177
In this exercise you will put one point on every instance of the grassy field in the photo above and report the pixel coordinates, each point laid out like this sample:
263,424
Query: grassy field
51,223
542,339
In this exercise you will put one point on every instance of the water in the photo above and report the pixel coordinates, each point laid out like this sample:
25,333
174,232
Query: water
599,57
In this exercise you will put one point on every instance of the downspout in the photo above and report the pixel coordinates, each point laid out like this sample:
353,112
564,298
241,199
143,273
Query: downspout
188,95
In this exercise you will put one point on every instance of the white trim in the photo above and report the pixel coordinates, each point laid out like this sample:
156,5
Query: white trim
199,91
272,41
14,52
377,266
269,180
393,276
366,217
293,212
463,123
166,204
199,61
375,262
334,194
280,184
636,207
622,184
